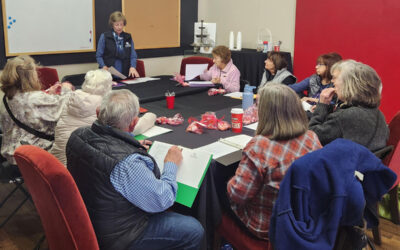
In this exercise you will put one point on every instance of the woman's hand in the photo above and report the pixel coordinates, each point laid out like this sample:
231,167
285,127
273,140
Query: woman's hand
68,85
327,95
309,99
216,80
133,72
105,68
55,89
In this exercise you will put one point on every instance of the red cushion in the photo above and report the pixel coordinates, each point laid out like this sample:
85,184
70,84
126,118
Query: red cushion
63,214
47,76
140,68
240,239
195,60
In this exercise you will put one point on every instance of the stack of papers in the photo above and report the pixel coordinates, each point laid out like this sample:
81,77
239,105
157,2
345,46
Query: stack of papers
227,150
194,70
237,95
154,131
201,84
252,126
139,80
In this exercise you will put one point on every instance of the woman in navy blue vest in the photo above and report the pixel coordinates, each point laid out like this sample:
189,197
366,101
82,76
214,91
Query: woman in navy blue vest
116,48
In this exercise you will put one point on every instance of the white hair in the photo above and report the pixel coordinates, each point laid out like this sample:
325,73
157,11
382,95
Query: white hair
97,82
119,108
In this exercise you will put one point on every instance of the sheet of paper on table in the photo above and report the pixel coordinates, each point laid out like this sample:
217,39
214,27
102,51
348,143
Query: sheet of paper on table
194,70
201,84
154,131
227,150
116,73
139,80
252,126
237,95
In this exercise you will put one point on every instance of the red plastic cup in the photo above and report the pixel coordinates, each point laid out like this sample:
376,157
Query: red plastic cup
237,120
170,101
277,48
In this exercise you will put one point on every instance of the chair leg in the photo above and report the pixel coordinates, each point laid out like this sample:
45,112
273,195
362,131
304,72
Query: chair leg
14,212
377,235
37,246
394,205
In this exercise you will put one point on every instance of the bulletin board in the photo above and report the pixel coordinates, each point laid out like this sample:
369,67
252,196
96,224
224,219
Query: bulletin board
153,24
48,26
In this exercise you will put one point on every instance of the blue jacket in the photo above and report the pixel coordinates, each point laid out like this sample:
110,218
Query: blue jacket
320,192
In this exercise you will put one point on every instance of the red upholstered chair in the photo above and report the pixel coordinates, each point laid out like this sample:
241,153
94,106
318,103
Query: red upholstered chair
63,214
241,240
195,60
140,68
47,76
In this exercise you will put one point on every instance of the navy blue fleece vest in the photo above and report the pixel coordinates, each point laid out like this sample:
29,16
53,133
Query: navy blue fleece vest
92,154
110,51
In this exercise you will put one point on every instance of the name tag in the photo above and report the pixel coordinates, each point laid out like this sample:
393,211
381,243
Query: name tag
127,45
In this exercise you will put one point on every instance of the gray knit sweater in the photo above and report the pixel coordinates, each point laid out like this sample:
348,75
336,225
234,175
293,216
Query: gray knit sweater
365,126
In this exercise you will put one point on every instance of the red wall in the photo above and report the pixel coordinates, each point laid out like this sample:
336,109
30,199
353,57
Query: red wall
363,30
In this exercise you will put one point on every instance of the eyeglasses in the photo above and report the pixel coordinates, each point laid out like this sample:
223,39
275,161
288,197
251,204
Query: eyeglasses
320,64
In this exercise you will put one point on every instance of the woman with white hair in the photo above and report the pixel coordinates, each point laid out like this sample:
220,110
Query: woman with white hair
357,118
80,110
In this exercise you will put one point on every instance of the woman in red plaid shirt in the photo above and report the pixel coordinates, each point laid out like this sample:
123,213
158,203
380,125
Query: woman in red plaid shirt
282,136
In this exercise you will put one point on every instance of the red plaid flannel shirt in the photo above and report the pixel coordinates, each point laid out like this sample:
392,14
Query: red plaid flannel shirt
255,186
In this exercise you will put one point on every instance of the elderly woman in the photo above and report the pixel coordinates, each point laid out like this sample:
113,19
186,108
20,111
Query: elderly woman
80,110
357,118
281,137
276,71
116,48
28,114
223,71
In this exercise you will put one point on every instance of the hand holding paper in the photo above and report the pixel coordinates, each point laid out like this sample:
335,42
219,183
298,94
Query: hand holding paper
174,155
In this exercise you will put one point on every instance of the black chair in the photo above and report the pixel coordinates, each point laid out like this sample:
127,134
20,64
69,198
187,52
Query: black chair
76,80
10,174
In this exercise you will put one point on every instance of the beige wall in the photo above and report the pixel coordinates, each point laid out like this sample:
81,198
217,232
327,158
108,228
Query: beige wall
248,16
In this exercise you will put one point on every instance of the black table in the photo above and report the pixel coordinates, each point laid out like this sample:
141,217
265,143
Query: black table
251,64
155,90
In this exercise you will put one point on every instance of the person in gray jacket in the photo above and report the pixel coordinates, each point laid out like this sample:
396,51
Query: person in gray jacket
357,117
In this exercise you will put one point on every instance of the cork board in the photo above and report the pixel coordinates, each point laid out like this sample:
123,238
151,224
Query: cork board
154,23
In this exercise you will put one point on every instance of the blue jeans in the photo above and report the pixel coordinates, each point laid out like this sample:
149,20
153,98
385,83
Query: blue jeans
169,230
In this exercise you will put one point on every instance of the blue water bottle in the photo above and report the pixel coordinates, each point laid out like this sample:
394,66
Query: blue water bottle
248,97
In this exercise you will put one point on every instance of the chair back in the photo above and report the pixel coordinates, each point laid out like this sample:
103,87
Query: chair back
140,68
394,163
394,136
47,76
63,214
195,60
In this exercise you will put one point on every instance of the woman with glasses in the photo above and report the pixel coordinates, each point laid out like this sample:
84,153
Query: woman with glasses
276,70
318,81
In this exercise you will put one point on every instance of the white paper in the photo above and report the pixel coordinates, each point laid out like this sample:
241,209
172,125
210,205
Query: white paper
252,126
193,164
139,80
306,106
194,70
236,95
200,82
218,149
116,73
237,141
156,130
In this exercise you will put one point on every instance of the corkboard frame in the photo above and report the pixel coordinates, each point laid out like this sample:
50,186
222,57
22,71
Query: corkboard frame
153,24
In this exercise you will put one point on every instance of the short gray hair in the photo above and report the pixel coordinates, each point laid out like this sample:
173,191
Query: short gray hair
97,82
118,109
361,84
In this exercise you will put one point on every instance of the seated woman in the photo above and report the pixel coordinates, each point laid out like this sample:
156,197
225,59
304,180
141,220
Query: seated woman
276,71
357,118
223,71
281,137
318,81
35,111
80,110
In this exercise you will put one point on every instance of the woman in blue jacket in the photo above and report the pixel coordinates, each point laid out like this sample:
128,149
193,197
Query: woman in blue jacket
320,80
116,48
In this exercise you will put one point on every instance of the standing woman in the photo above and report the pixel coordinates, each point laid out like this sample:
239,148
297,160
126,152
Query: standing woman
276,70
223,71
116,48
